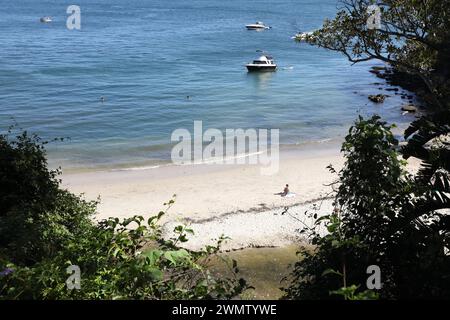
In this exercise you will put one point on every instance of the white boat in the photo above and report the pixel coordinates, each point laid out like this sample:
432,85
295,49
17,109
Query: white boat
46,19
263,63
257,26
303,36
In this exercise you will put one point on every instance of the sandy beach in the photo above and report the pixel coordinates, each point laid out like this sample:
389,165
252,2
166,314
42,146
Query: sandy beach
234,200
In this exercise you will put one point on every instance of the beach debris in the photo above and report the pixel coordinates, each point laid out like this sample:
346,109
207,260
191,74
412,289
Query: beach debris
377,98
409,108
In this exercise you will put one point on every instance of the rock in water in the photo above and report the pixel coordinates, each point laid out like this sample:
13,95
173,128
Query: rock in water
378,98
409,108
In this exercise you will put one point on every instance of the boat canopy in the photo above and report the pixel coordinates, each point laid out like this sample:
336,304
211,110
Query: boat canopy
264,58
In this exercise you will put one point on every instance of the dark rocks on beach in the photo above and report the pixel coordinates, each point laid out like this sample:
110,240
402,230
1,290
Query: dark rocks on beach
409,108
377,98
402,81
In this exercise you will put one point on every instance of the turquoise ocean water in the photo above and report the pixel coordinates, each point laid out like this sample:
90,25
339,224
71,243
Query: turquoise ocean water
146,57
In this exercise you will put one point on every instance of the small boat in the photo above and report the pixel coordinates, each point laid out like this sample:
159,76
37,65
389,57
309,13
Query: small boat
303,36
46,19
257,26
263,63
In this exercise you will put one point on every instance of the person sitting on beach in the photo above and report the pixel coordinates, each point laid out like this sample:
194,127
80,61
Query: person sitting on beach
285,191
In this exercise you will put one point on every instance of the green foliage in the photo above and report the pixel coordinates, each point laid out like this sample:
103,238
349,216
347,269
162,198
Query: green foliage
35,215
397,219
413,36
122,260
349,293
368,227
45,229
373,183
429,142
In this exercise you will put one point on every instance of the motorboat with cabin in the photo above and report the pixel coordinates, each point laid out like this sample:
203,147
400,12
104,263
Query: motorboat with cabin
303,36
263,63
257,26
46,19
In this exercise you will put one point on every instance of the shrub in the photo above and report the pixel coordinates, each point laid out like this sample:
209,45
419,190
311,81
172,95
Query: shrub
44,230
368,227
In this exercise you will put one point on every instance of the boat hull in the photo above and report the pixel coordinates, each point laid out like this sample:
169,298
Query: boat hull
255,68
256,27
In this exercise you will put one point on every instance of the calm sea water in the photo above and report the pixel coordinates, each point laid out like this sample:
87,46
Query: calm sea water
146,57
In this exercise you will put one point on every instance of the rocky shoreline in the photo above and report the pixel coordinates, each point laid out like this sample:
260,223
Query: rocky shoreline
407,82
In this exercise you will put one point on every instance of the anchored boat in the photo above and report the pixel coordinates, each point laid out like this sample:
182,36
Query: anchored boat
257,26
303,36
263,63
46,19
